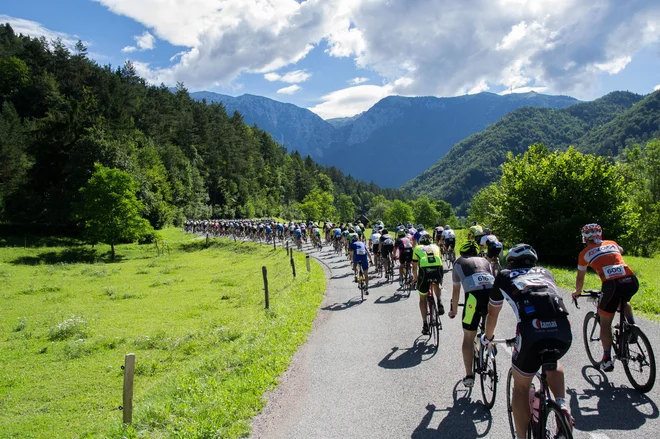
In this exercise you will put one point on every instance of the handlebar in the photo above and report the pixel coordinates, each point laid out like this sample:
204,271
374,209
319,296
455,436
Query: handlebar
508,341
594,294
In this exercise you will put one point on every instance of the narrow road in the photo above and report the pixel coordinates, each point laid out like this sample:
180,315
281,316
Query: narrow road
366,372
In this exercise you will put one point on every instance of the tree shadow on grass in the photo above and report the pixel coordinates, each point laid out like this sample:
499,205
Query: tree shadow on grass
67,256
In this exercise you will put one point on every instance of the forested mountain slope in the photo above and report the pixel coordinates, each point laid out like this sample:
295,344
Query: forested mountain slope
61,112
474,162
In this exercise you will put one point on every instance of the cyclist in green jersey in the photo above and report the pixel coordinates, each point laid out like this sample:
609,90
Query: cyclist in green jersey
427,274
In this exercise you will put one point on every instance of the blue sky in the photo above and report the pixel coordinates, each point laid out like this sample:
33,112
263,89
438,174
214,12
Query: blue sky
311,52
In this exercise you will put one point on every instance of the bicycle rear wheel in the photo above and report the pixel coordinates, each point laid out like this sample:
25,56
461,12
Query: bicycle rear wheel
639,361
488,377
591,336
509,407
432,320
556,424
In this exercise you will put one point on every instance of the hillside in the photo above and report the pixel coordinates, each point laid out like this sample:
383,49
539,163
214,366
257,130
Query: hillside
422,126
474,162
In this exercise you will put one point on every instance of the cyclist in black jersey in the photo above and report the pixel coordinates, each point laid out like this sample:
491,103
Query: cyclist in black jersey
542,325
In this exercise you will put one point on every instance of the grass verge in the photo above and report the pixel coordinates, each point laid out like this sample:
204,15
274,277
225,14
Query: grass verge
206,350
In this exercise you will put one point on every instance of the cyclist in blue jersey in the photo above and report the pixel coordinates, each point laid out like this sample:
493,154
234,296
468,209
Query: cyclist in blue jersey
360,255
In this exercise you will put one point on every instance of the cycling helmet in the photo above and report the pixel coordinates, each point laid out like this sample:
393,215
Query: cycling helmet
400,232
469,249
383,231
420,227
522,255
354,238
474,223
487,231
475,230
592,231
424,238
447,228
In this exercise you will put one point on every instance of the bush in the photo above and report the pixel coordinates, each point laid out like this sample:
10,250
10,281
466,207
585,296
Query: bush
544,198
74,326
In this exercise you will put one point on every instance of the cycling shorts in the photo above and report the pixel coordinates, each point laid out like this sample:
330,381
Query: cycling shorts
386,249
405,256
450,242
536,335
494,251
476,306
615,290
374,248
427,276
361,260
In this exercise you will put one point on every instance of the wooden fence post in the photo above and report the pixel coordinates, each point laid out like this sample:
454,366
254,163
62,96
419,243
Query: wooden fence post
129,371
287,247
207,239
274,242
309,268
264,271
293,264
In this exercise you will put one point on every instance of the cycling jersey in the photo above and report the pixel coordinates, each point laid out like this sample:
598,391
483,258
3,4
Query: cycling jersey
427,256
386,240
359,254
606,260
488,240
542,317
337,232
448,234
405,247
473,274
417,235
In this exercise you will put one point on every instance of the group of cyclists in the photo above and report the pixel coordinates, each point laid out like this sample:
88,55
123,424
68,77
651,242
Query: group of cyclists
542,318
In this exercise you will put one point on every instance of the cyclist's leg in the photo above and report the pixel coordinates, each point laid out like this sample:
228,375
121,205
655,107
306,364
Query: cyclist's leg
607,310
520,402
423,286
467,349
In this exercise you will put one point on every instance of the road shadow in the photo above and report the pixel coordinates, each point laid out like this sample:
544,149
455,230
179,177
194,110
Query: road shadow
342,276
341,306
607,407
399,358
465,419
67,256
397,297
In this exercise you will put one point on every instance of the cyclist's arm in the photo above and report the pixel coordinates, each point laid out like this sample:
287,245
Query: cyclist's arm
456,292
579,281
415,269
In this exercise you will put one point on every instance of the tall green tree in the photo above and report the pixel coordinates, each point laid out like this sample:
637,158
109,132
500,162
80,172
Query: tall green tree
110,210
398,212
425,213
318,205
345,208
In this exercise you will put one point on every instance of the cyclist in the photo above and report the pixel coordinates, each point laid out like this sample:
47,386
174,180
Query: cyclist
493,246
427,274
542,325
475,232
404,248
437,234
357,229
386,247
474,274
418,233
360,255
374,243
448,239
619,283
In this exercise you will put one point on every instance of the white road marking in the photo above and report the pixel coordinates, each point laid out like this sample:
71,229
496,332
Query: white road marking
598,436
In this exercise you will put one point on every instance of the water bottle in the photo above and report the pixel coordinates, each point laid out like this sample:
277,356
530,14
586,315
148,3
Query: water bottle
534,403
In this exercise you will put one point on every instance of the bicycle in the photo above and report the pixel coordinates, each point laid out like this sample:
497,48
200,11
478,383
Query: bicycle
547,420
626,339
433,318
448,257
362,284
389,273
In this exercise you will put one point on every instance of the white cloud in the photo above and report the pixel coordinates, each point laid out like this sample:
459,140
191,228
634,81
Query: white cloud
357,80
524,90
146,41
441,47
656,88
350,101
289,90
293,77
479,87
34,29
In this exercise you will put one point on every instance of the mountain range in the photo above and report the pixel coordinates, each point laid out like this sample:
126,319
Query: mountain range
604,126
393,141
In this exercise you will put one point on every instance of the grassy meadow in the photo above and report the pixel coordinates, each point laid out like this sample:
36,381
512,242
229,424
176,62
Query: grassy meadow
206,350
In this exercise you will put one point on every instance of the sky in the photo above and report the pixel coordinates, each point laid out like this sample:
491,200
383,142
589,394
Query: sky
339,57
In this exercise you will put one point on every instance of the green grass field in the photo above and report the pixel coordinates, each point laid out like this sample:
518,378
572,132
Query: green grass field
206,350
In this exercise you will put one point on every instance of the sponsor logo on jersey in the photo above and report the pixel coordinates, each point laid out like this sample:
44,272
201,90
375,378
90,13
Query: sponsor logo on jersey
540,324
601,250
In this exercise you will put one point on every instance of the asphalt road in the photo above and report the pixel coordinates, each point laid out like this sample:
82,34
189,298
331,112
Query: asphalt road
367,372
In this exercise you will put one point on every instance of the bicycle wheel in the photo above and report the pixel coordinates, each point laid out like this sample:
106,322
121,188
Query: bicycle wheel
556,424
361,284
431,319
509,407
591,335
488,377
639,361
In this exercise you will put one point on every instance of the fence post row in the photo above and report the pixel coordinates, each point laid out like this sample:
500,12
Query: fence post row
293,264
264,271
129,371
309,268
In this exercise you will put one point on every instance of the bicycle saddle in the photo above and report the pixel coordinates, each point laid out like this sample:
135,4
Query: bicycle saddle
549,358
